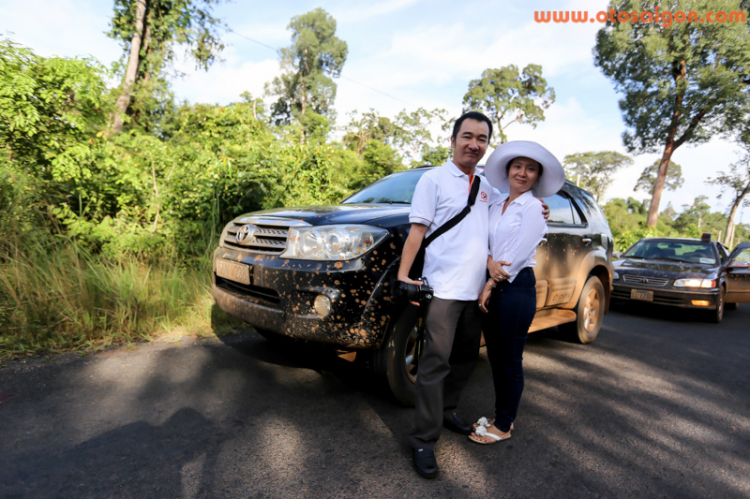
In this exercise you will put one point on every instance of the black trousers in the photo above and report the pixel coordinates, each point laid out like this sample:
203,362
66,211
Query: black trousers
506,326
452,335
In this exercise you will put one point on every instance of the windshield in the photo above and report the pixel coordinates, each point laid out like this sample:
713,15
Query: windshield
676,251
396,188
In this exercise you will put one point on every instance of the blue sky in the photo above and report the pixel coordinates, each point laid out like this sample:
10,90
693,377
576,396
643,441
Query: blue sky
422,53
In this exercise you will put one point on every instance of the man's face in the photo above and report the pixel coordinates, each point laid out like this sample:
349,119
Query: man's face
470,143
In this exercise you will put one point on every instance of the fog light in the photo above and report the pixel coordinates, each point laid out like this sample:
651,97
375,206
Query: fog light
699,303
322,305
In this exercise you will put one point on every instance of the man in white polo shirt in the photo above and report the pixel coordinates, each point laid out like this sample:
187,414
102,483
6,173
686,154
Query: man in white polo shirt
455,265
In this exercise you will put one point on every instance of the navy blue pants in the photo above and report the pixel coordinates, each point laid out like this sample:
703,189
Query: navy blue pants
506,325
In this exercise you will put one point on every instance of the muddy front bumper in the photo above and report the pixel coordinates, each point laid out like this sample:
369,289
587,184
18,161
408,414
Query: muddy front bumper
281,298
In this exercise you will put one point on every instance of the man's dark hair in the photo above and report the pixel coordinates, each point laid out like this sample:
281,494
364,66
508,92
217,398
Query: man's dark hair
471,115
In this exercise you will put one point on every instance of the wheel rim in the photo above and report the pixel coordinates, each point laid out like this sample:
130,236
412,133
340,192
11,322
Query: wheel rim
411,342
591,311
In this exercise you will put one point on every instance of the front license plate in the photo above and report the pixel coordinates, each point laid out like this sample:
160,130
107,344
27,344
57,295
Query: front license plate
238,272
641,294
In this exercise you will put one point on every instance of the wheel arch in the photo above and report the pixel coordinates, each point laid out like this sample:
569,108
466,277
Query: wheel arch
605,277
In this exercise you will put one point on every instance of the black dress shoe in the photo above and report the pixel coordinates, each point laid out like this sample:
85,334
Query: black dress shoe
455,424
425,462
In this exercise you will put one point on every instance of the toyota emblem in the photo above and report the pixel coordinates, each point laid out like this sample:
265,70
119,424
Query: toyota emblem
246,234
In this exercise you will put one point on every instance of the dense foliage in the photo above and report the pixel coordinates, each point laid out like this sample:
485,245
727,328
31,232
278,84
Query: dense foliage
96,229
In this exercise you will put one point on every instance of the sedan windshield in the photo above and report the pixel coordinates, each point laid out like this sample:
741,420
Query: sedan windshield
396,188
676,251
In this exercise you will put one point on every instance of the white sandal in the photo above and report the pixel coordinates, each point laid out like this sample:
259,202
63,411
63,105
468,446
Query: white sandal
483,421
481,431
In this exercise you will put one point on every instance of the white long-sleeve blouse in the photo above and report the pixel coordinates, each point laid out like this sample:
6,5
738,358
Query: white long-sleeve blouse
515,234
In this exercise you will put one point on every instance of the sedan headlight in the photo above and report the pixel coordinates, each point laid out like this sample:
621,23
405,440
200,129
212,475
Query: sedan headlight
695,283
332,242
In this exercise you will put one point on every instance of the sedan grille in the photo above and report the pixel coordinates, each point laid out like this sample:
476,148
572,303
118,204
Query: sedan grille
265,236
647,280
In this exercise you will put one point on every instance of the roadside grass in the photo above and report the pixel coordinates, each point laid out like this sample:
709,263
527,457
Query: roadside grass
63,299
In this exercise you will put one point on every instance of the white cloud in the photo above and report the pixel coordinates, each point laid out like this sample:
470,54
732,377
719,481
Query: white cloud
63,28
354,12
224,81
272,35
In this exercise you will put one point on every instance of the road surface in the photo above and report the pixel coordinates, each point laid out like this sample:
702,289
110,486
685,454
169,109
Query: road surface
658,406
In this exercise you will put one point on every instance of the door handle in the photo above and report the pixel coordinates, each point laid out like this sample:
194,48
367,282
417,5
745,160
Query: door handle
586,240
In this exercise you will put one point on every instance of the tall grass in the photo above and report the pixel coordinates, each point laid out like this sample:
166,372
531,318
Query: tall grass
61,298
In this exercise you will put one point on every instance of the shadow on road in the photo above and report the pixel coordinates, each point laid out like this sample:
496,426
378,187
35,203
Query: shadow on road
136,460
655,407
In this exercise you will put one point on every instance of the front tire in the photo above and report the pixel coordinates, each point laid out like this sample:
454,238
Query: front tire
589,313
394,361
716,316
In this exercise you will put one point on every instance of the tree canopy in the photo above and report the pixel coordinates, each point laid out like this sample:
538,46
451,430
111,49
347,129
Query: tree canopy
648,177
594,170
315,57
680,84
149,30
507,96
737,183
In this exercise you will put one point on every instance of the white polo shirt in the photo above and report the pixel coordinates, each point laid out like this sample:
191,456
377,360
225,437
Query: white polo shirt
456,262
515,234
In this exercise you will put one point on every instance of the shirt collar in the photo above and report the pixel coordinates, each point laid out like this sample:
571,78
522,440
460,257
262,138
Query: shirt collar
456,171
523,198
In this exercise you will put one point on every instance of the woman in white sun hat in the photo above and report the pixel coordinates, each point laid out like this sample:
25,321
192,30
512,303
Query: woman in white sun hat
527,171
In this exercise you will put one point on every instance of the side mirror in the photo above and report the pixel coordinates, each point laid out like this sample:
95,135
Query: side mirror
616,255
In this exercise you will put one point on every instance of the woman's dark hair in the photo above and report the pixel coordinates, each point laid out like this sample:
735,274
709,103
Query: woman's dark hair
507,168
471,115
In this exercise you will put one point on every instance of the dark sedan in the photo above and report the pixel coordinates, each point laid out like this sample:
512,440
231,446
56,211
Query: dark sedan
687,273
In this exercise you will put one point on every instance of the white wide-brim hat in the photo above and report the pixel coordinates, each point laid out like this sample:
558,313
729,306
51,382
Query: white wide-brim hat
552,179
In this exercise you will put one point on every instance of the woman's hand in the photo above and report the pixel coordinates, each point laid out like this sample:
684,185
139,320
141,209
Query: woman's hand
484,296
496,270
545,209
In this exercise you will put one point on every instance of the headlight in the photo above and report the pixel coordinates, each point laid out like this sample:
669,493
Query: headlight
695,283
615,276
332,242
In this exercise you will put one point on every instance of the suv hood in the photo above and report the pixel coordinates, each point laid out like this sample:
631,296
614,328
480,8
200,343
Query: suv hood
332,214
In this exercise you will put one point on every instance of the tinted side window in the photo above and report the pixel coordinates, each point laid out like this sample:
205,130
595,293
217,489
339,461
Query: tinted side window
577,218
560,210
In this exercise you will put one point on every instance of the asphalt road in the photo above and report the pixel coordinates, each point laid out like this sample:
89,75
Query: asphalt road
658,406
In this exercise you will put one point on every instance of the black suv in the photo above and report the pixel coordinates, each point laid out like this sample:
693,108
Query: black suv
324,274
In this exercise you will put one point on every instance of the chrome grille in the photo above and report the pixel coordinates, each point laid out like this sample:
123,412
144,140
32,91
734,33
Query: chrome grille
646,280
259,235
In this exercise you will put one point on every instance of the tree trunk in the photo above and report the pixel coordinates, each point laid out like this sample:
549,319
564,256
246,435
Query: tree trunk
669,147
661,177
123,102
732,213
